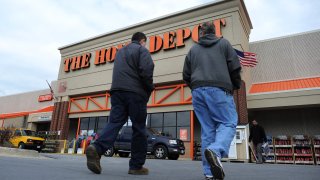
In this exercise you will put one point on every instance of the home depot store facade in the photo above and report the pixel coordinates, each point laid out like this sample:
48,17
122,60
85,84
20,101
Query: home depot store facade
31,110
85,74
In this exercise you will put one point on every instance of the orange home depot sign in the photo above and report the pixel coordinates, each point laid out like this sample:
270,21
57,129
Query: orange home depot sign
46,97
169,40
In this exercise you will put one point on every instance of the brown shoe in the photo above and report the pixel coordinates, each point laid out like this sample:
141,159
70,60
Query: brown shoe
93,159
142,171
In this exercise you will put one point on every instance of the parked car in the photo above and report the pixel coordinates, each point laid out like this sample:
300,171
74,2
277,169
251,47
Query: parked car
26,139
158,145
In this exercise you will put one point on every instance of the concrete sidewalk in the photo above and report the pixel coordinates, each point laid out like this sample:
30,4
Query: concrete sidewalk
4,151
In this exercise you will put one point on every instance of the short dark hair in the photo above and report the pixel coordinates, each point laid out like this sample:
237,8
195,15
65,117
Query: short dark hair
138,36
208,28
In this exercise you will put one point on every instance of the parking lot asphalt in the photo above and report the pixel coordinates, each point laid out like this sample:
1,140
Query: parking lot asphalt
63,167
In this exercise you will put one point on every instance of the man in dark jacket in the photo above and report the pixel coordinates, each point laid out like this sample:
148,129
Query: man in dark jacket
132,84
212,71
258,137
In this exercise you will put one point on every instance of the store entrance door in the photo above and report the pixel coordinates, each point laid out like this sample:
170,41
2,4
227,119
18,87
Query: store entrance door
73,127
43,126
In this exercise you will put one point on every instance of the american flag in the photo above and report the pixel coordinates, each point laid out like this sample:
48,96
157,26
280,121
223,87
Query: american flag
247,59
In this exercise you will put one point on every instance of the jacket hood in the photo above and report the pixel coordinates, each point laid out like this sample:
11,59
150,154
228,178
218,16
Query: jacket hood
208,40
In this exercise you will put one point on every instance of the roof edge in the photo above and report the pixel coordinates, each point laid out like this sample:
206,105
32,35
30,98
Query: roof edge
285,36
282,91
266,82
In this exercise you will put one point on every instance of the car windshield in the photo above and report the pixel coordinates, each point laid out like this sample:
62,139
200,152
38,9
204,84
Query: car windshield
28,133
154,132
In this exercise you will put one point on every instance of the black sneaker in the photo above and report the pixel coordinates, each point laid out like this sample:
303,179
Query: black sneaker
215,164
93,159
142,171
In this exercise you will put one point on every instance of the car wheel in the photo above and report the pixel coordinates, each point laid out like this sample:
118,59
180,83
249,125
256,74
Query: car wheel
109,152
124,154
160,152
173,157
21,145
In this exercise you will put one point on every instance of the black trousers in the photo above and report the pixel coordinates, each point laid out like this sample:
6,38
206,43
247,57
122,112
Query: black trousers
124,104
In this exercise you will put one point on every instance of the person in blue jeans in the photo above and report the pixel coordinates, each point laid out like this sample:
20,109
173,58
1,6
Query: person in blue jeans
132,84
212,71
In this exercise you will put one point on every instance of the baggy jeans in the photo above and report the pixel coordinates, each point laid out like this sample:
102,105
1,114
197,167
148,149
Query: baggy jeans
216,112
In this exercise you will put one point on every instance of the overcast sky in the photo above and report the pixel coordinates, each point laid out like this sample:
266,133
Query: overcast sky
31,31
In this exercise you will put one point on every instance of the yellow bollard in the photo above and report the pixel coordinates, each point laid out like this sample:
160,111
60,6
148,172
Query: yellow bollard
84,146
74,146
64,146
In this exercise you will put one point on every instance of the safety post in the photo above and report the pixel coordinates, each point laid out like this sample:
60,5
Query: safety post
64,146
74,146
84,146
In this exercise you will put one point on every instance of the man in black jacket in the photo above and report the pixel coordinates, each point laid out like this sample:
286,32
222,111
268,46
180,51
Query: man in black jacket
212,71
132,84
258,137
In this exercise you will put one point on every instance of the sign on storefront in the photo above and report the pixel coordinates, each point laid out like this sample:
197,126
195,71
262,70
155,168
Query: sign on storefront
166,41
183,134
46,97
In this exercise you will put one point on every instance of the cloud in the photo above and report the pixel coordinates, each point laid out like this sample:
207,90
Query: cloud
275,18
31,33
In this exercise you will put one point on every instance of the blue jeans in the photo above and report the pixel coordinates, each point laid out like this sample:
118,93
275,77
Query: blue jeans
216,112
124,104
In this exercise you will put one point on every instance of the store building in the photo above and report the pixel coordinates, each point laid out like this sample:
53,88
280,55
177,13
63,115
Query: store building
31,110
285,96
285,87
282,92
85,73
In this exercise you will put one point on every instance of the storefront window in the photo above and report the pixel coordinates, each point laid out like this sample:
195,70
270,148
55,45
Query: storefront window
170,131
172,124
84,123
92,123
102,122
170,119
183,125
183,118
158,130
157,120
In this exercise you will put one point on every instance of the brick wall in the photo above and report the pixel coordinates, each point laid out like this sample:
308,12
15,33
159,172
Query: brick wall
60,121
240,99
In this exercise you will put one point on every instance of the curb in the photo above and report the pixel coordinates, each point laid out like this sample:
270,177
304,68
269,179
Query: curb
18,152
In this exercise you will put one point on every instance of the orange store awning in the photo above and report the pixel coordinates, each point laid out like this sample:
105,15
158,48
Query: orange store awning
285,85
25,113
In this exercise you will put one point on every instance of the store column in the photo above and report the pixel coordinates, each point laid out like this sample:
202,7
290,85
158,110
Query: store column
240,100
60,121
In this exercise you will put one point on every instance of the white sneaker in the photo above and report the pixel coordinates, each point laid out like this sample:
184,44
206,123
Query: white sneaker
215,164
209,178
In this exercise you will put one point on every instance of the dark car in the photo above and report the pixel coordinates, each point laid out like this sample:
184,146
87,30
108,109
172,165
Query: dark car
158,145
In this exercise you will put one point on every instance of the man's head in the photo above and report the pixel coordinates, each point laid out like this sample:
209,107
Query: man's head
254,122
207,28
140,37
